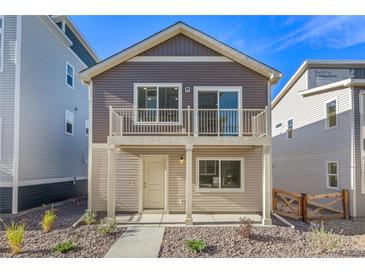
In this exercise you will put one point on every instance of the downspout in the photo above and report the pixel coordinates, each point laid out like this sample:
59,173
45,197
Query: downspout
90,150
16,115
353,153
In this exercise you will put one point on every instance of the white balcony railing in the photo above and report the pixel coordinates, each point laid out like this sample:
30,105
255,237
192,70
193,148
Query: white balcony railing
188,122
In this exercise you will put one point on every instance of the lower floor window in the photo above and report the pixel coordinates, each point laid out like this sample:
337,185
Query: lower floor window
220,174
332,174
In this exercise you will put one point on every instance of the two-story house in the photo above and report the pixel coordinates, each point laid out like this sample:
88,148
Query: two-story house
180,122
319,131
43,111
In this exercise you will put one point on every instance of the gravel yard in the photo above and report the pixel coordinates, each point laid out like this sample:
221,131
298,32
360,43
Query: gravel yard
89,241
274,242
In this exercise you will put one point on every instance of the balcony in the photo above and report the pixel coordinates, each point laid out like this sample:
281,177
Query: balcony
187,122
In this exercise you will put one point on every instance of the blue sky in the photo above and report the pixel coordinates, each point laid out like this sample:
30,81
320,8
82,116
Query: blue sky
282,42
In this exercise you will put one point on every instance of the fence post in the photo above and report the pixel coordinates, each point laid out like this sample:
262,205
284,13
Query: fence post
305,207
121,125
345,204
274,202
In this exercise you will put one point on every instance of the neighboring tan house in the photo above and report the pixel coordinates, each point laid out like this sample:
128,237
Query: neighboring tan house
179,125
43,111
318,128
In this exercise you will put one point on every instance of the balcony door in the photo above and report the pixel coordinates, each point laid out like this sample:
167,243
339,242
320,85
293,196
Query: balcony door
218,111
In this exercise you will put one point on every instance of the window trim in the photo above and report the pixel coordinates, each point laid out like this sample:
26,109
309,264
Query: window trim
287,129
325,112
73,75
73,123
157,85
88,127
242,170
331,174
2,51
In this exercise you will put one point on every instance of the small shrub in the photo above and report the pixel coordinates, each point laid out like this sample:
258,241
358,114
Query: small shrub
49,218
15,234
89,217
107,226
196,245
246,228
64,247
322,239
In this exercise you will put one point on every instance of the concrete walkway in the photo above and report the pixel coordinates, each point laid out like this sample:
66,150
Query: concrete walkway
161,219
138,242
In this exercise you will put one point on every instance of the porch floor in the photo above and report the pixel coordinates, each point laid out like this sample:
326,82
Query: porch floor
162,219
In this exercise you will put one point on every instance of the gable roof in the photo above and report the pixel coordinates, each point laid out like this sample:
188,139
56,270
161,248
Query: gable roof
181,28
314,64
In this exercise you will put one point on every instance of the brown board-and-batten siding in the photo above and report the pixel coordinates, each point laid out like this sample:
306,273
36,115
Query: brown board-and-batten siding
115,86
128,167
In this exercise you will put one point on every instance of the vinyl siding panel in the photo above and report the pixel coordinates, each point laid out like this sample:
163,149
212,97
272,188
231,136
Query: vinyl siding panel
360,195
128,178
46,152
300,164
180,45
7,100
79,49
38,195
115,86
6,194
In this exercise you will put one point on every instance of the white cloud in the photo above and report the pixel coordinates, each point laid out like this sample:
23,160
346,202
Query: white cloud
326,31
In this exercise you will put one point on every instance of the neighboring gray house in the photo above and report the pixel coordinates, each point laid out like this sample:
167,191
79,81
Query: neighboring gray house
43,111
318,127
180,123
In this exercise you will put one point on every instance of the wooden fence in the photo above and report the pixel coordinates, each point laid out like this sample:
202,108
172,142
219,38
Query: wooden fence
311,207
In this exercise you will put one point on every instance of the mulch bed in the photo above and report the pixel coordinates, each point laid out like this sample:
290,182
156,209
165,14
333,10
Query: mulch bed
273,242
89,241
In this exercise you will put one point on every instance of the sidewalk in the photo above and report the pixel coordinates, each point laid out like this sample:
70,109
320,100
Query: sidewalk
138,242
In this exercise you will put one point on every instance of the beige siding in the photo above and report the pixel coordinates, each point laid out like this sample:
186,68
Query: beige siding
300,164
128,177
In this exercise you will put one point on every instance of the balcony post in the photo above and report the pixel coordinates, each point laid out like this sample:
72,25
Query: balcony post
189,122
111,182
189,184
110,120
268,111
266,185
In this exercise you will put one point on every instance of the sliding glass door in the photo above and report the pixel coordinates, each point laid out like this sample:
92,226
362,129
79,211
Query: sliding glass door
218,112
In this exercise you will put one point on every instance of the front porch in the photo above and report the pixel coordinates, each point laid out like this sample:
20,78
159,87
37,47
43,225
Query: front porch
163,219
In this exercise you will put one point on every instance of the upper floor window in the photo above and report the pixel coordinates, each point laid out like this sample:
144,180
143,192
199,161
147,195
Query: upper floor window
332,174
331,114
290,130
157,102
69,122
2,27
87,127
70,75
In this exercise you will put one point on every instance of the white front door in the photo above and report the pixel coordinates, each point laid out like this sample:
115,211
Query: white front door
154,169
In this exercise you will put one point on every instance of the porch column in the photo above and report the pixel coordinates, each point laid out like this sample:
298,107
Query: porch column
111,182
266,184
189,184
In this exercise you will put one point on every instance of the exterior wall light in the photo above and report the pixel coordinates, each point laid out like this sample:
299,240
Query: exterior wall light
181,159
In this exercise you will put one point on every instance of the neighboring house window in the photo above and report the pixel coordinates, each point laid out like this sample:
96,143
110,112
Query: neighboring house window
290,130
332,174
2,27
278,125
220,174
86,127
158,102
331,114
69,122
70,75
